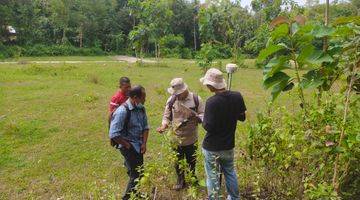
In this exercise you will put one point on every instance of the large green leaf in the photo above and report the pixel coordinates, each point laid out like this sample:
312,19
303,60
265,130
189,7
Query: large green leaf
271,49
275,79
318,57
305,52
312,79
322,31
275,65
280,31
280,86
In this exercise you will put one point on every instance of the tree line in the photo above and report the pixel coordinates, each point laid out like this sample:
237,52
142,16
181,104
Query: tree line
159,28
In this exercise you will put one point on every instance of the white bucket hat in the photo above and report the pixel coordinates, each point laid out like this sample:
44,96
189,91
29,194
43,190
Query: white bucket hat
215,78
177,86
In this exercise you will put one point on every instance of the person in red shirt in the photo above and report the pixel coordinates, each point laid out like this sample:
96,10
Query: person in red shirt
120,96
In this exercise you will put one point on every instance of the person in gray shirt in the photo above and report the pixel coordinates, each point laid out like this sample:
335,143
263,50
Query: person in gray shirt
184,110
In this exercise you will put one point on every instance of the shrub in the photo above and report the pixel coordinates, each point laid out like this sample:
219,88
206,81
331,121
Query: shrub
172,41
61,50
223,51
258,42
206,56
186,53
9,51
282,146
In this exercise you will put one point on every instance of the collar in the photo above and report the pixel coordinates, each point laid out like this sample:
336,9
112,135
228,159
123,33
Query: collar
130,105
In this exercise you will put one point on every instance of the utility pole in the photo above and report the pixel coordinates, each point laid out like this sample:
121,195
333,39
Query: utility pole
196,11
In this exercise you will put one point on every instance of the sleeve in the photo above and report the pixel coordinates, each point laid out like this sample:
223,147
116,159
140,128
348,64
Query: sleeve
113,104
146,123
209,117
167,113
201,109
117,123
242,109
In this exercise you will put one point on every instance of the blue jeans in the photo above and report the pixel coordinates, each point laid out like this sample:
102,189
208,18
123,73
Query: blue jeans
224,161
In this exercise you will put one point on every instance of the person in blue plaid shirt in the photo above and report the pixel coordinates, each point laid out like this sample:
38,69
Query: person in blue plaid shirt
129,131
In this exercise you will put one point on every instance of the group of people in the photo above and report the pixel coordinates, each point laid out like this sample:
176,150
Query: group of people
184,111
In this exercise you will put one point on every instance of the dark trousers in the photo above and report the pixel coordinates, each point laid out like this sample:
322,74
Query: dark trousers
133,161
189,153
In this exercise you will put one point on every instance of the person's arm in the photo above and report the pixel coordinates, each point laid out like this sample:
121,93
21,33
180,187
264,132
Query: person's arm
145,134
165,120
242,109
209,120
121,141
109,118
144,142
117,127
201,110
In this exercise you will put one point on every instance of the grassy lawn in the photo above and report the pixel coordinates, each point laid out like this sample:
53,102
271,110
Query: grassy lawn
53,129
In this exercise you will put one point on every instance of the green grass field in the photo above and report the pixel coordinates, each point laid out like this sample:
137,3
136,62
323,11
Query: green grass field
53,129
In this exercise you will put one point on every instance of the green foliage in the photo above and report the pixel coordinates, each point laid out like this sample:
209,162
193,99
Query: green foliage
292,44
172,46
60,50
258,42
10,51
206,56
172,41
283,147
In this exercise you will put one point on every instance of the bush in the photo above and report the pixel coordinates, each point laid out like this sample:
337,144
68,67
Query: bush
171,53
61,50
9,51
172,41
282,146
223,51
186,53
258,42
172,46
206,56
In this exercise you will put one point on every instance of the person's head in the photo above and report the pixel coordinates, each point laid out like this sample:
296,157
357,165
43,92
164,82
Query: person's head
178,88
125,84
214,80
137,95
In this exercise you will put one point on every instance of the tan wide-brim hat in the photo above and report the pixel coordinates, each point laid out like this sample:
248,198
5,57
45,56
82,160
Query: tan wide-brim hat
177,86
215,78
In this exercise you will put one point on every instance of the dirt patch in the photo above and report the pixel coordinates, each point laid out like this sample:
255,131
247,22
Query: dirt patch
131,59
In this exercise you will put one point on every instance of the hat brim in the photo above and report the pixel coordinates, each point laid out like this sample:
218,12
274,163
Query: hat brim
177,92
218,86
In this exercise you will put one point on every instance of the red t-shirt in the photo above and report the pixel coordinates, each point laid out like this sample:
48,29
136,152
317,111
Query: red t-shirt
116,100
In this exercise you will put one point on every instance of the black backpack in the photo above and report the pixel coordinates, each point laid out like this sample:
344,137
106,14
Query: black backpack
173,99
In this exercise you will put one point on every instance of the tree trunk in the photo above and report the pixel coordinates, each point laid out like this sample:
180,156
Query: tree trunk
81,37
63,39
195,33
159,53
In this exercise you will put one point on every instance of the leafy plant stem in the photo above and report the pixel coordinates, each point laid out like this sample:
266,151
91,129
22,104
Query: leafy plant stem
342,133
301,92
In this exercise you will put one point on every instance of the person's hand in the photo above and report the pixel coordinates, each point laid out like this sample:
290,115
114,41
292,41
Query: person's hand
143,148
126,144
161,129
